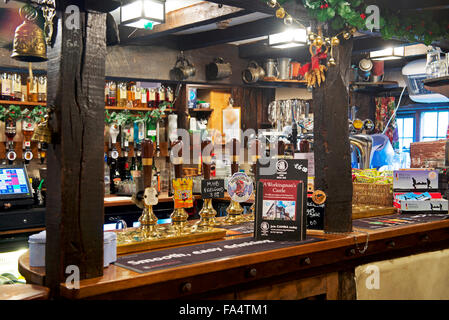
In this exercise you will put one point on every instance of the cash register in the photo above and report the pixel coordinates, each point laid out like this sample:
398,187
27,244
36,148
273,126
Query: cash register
17,204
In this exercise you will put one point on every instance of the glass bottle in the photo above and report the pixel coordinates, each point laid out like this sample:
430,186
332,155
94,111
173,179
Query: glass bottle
143,98
169,96
137,97
151,97
131,89
156,98
6,86
42,89
121,94
32,85
162,95
17,87
111,99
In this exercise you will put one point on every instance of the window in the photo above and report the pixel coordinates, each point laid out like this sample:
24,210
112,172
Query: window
434,125
405,131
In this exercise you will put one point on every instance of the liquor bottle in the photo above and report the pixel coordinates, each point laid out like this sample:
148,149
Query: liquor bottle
115,176
107,177
131,90
6,87
169,96
137,97
162,95
157,98
121,94
106,93
151,97
143,98
42,89
17,87
32,85
111,99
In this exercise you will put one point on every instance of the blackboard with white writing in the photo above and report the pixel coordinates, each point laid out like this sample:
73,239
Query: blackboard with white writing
212,189
315,215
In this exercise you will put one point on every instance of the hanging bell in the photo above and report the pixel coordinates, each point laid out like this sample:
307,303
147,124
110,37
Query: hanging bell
29,40
42,133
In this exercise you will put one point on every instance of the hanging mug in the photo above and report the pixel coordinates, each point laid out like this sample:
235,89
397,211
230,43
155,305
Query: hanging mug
253,73
218,69
183,69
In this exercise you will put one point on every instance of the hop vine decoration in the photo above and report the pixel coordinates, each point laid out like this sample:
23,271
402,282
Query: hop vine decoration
13,113
35,116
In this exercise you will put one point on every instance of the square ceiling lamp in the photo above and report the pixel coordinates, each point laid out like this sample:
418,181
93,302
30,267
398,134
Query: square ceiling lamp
288,39
142,14
388,54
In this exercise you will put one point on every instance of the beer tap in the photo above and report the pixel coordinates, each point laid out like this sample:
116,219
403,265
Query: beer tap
255,146
207,213
114,131
125,138
147,198
234,210
183,193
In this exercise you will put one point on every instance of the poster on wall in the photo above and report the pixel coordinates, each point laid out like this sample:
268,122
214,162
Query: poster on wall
281,200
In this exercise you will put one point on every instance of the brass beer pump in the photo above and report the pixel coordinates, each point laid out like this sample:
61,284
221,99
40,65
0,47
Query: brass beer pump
254,147
148,220
179,215
234,210
207,213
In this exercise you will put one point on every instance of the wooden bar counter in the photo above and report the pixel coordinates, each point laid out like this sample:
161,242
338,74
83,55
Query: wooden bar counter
303,271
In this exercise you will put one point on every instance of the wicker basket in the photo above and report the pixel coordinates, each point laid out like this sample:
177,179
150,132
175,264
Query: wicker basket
372,194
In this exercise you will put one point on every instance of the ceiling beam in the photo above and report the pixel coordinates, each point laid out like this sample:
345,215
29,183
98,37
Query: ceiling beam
244,31
261,50
192,16
250,5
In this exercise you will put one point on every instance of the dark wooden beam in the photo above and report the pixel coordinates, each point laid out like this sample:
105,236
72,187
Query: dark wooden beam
261,50
258,28
75,188
332,149
251,5
197,15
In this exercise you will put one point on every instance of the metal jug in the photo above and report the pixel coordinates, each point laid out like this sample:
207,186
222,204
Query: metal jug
284,68
218,69
253,73
271,68
183,69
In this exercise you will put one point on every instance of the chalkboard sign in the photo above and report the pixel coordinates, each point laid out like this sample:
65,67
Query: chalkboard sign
315,215
212,189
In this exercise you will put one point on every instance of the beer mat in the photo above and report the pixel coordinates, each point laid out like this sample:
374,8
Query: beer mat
241,228
187,255
396,220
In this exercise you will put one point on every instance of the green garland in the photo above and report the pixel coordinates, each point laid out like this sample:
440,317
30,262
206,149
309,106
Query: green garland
420,26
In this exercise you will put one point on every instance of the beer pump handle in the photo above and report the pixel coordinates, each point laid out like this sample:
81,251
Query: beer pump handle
255,147
235,155
281,149
177,158
206,159
147,162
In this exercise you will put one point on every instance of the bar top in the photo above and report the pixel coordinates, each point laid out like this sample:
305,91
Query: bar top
335,248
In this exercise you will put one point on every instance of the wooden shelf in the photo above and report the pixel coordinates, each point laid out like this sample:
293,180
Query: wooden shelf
201,110
23,103
136,109
269,79
372,87
438,85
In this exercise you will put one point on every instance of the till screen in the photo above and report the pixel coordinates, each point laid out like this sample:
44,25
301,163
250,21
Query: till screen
13,181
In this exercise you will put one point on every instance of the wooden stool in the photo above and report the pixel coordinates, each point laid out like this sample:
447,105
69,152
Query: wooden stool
23,292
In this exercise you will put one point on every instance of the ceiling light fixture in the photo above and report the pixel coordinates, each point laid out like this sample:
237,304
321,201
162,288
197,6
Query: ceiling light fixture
388,54
142,14
288,39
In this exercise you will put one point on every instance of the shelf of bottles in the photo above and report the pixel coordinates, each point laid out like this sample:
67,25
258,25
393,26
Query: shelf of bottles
22,89
121,95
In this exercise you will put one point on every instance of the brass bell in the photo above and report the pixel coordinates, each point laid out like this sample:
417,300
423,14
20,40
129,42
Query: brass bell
331,62
29,40
43,132
335,41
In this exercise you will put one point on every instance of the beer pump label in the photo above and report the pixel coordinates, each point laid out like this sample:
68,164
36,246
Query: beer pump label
212,189
183,193
240,187
150,196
